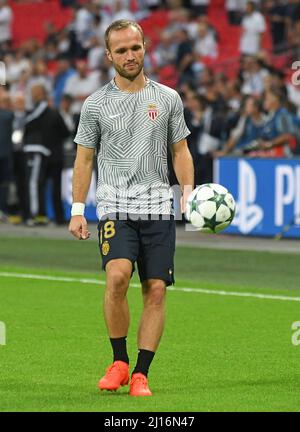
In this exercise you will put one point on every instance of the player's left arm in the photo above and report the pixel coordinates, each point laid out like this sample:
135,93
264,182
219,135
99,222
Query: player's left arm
184,169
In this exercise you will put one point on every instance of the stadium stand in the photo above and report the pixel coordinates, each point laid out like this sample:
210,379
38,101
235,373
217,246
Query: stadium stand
30,18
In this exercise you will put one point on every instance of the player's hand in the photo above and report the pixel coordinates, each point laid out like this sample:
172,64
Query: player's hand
78,227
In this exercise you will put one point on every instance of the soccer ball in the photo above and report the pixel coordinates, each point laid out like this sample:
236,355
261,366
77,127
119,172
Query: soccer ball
210,208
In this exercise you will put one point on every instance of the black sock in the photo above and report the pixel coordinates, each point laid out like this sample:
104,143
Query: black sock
144,360
119,349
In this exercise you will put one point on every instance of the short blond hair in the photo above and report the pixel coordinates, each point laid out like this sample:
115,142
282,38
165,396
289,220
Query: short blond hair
120,25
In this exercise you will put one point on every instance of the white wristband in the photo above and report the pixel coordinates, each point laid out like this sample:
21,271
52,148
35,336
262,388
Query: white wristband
77,209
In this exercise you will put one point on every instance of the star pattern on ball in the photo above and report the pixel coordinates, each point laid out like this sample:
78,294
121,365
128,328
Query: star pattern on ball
219,199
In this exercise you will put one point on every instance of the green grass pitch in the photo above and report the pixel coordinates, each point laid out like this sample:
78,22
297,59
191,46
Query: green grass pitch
218,352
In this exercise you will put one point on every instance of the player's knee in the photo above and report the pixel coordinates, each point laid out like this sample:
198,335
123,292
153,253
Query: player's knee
117,284
155,293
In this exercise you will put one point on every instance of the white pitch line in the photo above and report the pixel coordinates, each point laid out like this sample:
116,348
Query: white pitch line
51,278
236,294
170,288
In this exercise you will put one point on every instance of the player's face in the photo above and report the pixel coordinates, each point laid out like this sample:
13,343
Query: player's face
126,52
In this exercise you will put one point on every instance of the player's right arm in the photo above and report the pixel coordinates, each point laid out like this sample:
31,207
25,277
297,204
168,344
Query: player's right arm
83,169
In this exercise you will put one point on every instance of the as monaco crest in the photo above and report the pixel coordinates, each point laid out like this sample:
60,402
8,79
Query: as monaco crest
152,111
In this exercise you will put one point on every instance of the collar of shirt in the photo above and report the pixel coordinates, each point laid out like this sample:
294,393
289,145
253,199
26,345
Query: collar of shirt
113,83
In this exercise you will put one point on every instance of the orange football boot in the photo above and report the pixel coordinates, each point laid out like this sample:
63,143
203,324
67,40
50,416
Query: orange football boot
139,385
116,375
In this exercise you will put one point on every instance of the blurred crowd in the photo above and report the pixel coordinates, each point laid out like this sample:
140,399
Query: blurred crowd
254,113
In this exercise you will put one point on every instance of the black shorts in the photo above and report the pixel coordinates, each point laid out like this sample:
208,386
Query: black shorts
150,243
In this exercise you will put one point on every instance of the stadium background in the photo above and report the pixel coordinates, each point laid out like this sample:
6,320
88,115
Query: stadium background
234,310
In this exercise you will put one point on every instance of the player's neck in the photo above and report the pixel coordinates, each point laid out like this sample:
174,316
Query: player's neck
129,86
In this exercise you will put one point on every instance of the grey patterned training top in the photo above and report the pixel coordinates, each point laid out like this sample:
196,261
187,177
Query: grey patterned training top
131,132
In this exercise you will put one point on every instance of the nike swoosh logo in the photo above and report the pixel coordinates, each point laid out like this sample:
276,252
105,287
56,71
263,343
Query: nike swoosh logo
115,115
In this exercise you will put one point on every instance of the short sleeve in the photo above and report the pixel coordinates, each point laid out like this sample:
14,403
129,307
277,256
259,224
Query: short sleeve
178,129
88,132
